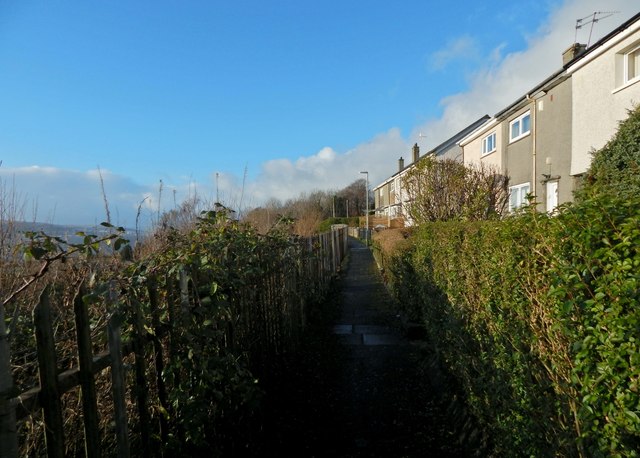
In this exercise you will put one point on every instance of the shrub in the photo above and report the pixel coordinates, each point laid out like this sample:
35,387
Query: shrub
537,317
442,190
615,169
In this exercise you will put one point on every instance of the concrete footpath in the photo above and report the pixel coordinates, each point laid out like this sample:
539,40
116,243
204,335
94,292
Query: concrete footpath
361,388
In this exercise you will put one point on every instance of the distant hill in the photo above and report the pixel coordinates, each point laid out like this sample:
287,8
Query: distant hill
68,233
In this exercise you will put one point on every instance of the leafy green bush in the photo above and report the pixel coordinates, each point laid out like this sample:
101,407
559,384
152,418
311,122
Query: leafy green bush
615,169
227,325
595,281
472,285
537,317
326,224
446,189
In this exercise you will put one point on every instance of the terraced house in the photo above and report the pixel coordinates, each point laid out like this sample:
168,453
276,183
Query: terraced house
530,142
391,199
543,140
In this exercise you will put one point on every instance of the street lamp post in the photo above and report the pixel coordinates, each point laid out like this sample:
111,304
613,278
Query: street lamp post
367,205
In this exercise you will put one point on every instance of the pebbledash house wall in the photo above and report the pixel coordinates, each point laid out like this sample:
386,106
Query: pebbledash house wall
601,98
548,143
517,161
574,112
553,142
472,146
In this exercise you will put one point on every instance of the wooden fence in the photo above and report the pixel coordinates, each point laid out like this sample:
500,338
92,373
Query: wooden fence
273,311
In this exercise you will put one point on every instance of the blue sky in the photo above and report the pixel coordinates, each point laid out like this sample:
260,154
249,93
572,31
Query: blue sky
297,95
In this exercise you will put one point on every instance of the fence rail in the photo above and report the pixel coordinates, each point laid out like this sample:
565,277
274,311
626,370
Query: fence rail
272,312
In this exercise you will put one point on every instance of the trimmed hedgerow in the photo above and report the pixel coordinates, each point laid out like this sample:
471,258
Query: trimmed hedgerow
537,316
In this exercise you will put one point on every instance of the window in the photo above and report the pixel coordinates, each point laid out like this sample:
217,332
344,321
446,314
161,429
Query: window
489,143
632,65
518,196
393,186
520,127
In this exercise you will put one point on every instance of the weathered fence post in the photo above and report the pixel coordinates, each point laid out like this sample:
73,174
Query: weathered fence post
87,379
154,304
139,340
49,392
8,429
184,290
117,379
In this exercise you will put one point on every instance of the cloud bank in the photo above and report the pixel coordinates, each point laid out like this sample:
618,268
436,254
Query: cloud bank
74,197
502,79
59,196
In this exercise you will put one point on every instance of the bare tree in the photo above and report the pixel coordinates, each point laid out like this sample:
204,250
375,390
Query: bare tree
354,196
441,190
308,210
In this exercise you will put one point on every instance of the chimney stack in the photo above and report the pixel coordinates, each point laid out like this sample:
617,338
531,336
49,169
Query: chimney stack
416,153
400,164
573,51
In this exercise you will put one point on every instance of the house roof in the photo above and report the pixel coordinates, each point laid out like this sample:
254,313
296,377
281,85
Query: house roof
621,28
553,80
442,147
561,74
452,141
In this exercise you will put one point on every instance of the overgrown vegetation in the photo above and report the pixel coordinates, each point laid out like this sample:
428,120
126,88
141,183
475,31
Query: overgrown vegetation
325,225
615,169
446,189
537,317
309,211
220,302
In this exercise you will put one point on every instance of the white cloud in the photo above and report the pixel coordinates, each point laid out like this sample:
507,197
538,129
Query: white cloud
68,196
75,197
492,87
503,79
283,179
463,47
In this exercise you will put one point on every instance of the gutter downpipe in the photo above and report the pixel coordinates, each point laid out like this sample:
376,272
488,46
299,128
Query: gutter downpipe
534,122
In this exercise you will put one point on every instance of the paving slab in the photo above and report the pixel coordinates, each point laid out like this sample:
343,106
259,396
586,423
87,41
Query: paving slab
343,329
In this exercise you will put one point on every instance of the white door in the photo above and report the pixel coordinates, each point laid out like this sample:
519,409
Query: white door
552,195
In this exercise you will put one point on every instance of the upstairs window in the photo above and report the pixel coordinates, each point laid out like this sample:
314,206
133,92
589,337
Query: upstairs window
632,65
518,196
520,127
489,144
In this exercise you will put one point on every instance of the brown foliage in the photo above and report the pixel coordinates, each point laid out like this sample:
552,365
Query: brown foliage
443,190
389,241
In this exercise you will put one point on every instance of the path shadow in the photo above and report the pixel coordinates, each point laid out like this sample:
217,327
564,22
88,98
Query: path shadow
359,388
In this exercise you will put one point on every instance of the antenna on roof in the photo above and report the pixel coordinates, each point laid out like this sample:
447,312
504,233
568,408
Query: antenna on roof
591,19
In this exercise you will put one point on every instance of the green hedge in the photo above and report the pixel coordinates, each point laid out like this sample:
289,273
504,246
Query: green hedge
537,318
326,224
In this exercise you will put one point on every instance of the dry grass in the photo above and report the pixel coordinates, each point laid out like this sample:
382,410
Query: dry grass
389,241
63,280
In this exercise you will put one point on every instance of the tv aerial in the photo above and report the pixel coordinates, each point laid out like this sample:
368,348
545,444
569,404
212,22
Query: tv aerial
591,19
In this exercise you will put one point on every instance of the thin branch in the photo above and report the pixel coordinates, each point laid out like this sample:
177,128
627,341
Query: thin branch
104,196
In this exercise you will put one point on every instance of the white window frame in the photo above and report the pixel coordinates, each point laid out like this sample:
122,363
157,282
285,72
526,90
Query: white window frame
627,57
392,186
521,196
485,144
518,121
